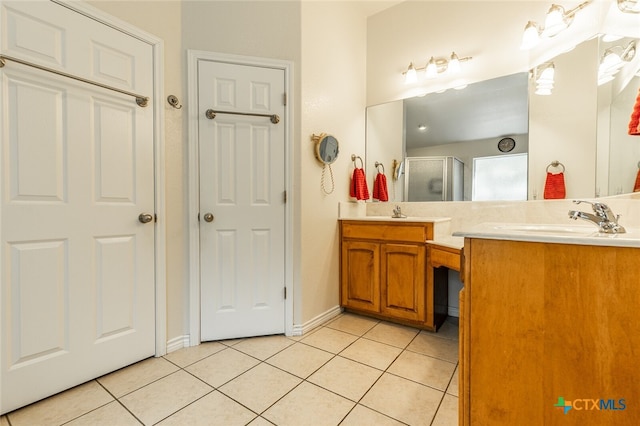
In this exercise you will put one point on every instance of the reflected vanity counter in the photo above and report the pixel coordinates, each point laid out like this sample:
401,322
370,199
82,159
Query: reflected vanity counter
548,315
386,268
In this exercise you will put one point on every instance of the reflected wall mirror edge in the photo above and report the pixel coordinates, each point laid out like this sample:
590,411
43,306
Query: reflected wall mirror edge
590,173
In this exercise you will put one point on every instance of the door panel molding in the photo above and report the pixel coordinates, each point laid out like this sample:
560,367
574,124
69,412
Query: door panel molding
193,58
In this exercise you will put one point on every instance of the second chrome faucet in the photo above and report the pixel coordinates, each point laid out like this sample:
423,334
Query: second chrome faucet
602,217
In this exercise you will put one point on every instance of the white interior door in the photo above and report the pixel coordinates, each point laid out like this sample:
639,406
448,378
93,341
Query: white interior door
77,268
242,187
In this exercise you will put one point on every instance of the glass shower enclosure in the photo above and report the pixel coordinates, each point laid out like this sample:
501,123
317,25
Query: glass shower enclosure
434,179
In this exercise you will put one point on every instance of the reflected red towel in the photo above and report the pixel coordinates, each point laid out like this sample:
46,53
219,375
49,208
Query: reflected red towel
634,124
380,191
636,186
554,186
359,189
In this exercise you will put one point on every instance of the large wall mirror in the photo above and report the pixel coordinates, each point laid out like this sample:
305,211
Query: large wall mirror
618,152
437,134
581,124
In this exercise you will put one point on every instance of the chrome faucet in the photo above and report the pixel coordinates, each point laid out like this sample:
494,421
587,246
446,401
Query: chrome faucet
397,213
604,218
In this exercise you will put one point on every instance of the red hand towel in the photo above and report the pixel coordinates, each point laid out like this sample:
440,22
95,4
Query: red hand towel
554,186
359,189
634,124
636,186
380,191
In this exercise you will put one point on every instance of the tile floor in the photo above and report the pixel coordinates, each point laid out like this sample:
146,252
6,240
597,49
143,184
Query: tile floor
353,370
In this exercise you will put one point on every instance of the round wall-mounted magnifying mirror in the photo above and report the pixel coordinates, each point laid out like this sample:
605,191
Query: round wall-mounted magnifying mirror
326,148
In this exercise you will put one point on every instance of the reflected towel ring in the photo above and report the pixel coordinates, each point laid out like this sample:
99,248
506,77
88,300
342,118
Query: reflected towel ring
556,164
639,164
354,158
380,165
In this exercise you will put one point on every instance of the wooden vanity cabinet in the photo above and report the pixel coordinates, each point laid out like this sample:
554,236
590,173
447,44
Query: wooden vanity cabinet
383,270
543,321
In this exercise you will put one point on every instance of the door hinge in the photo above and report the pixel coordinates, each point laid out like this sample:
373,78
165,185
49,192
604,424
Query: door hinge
284,99
285,293
284,197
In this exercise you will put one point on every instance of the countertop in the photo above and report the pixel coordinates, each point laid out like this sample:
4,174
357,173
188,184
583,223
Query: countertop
399,219
452,242
551,233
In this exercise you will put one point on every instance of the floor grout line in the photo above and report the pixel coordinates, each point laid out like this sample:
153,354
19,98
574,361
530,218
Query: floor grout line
332,325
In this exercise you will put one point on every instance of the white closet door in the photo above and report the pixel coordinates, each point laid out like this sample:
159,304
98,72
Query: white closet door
242,183
77,269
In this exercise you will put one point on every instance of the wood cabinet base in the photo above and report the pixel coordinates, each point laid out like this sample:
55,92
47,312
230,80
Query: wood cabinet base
549,326
385,273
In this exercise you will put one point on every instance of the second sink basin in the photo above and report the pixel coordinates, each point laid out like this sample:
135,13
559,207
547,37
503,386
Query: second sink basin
547,228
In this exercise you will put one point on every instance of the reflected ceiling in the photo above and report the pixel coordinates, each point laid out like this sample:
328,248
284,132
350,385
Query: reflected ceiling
492,108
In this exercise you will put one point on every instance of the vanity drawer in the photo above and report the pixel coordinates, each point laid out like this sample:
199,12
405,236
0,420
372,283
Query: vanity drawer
441,257
384,231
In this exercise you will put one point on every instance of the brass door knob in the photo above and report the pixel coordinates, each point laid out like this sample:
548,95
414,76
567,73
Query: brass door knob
208,217
145,217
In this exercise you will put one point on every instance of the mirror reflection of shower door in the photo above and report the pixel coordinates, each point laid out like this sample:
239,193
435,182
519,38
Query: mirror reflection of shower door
434,179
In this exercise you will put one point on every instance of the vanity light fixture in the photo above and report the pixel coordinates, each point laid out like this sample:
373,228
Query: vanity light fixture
544,76
613,59
434,67
556,21
629,6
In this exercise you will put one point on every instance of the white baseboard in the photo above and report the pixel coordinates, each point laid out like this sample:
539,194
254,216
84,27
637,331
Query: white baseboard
177,343
453,312
300,329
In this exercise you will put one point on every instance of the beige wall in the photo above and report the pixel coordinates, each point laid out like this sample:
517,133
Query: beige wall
333,101
326,41
333,48
414,31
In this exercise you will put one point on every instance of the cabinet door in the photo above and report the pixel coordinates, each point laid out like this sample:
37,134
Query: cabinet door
402,281
360,280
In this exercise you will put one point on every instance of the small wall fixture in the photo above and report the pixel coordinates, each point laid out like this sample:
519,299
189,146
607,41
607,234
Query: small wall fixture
629,6
557,20
434,67
544,76
613,59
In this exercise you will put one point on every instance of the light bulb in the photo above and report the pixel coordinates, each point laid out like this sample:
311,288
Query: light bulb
432,68
548,74
454,64
530,37
611,61
630,6
410,76
555,21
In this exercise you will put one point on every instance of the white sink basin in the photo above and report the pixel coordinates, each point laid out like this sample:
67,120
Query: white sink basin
547,228
552,233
